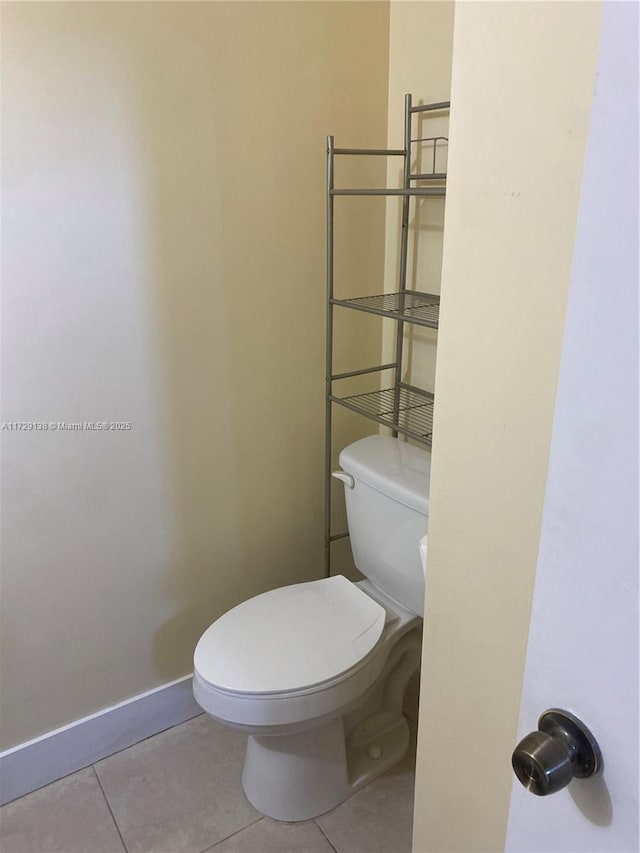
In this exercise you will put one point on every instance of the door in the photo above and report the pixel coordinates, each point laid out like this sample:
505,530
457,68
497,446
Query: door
532,572
583,640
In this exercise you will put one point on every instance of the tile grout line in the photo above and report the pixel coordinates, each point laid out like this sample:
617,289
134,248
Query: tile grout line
113,817
220,840
328,840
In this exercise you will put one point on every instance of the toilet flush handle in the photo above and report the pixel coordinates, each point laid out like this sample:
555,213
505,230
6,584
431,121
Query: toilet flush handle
347,479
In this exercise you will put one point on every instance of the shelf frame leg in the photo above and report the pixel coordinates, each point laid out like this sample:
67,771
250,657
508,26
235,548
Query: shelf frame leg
404,248
328,361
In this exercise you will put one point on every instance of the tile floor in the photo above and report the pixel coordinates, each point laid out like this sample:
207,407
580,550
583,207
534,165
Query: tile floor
180,792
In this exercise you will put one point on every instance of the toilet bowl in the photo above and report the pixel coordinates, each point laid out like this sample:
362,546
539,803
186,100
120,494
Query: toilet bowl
315,673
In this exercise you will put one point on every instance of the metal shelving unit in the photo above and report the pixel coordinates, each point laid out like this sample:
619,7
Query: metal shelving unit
405,409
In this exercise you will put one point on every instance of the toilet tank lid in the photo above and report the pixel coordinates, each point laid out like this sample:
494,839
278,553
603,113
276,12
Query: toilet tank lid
391,466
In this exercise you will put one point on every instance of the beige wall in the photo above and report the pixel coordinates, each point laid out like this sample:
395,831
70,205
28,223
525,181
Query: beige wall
522,86
420,50
163,261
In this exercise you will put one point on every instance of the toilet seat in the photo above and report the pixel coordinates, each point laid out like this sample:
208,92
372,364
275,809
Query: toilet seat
326,635
290,638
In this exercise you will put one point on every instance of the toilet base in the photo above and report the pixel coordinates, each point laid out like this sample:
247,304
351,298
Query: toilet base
300,776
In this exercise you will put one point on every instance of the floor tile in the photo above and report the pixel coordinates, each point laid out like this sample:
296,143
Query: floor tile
271,836
179,791
68,816
379,818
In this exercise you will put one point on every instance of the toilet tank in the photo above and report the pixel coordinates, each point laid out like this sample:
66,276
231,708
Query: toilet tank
387,512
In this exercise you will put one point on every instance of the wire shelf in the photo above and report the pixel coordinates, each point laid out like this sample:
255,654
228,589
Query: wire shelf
412,417
412,306
434,174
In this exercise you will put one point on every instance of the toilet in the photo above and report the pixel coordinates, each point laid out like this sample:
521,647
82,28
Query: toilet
315,673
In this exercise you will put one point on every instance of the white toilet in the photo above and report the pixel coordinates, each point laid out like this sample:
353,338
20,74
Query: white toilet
315,673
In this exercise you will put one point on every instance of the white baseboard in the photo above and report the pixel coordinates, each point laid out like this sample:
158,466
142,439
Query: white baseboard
38,762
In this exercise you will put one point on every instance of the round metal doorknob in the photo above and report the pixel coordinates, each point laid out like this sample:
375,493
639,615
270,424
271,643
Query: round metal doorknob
563,748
